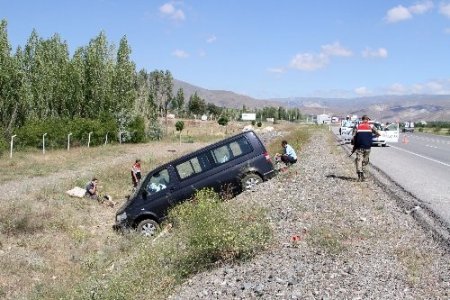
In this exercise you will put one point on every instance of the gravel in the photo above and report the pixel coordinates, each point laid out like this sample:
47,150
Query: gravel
334,238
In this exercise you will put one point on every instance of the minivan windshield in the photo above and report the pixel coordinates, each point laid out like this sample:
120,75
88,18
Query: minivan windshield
158,182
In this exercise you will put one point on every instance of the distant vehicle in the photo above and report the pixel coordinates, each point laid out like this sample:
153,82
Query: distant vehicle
389,134
232,165
408,127
346,130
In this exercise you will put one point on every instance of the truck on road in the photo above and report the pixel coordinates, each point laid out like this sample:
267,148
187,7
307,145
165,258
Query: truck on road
408,127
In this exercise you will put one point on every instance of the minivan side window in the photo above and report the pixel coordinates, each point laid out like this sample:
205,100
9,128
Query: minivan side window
221,154
158,182
195,165
231,150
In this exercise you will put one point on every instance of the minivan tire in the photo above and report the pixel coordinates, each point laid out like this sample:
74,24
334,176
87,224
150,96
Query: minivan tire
148,227
250,180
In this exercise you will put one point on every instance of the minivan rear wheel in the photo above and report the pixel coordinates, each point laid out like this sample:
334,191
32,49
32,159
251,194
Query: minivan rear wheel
250,181
148,227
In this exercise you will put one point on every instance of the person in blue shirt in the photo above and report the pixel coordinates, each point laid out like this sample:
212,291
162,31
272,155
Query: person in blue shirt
289,156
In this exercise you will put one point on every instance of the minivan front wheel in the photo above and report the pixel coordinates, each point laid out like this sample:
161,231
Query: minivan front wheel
250,181
148,228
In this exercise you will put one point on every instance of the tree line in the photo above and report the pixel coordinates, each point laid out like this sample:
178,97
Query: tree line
97,89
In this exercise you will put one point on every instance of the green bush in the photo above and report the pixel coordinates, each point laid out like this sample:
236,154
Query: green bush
136,130
259,124
211,230
179,126
155,131
223,121
253,122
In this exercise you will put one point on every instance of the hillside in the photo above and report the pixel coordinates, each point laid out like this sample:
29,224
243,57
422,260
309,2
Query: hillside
386,108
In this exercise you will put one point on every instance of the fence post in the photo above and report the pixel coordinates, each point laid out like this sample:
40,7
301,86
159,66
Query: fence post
12,143
89,139
43,143
68,141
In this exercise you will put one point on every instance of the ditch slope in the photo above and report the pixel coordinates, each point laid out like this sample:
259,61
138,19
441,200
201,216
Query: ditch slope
334,238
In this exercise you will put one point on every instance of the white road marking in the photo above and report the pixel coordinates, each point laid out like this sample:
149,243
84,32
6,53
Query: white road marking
422,156
434,147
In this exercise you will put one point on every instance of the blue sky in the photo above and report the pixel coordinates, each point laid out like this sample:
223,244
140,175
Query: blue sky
264,49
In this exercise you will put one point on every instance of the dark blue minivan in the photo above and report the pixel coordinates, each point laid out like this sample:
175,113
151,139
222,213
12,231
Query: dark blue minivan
233,165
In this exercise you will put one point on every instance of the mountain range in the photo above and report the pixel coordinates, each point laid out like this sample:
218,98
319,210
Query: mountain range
384,108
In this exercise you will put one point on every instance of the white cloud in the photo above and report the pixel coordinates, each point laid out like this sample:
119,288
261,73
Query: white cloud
169,10
397,14
362,91
315,61
380,53
401,13
180,53
432,87
335,50
421,8
444,9
309,62
211,39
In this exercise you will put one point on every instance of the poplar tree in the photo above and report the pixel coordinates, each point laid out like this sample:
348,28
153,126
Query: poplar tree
124,80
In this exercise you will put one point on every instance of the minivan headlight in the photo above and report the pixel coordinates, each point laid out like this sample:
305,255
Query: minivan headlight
121,217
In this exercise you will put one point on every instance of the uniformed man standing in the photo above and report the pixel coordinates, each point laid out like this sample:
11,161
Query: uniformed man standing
362,142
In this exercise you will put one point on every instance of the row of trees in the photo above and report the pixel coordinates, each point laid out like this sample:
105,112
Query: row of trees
41,81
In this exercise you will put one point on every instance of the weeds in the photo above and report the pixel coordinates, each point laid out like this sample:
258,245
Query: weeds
206,231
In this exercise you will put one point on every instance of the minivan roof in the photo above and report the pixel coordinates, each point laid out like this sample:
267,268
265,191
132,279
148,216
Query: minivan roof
194,153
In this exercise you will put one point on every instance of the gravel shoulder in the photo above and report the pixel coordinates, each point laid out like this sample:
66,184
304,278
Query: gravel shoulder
334,238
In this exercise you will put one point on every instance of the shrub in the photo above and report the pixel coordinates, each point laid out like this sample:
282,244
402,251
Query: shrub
155,131
211,230
253,122
223,121
259,124
179,126
136,129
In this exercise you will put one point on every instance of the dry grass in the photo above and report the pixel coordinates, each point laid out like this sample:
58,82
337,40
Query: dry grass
50,243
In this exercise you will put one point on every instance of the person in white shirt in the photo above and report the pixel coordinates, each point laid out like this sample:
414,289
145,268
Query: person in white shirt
289,156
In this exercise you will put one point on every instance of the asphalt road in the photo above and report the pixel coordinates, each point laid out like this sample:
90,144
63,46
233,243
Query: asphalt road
420,163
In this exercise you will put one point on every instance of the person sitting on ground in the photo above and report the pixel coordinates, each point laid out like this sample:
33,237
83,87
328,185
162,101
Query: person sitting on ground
92,193
289,156
136,173
91,189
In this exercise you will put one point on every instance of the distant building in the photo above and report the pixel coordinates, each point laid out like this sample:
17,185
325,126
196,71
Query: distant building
323,119
248,116
204,117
